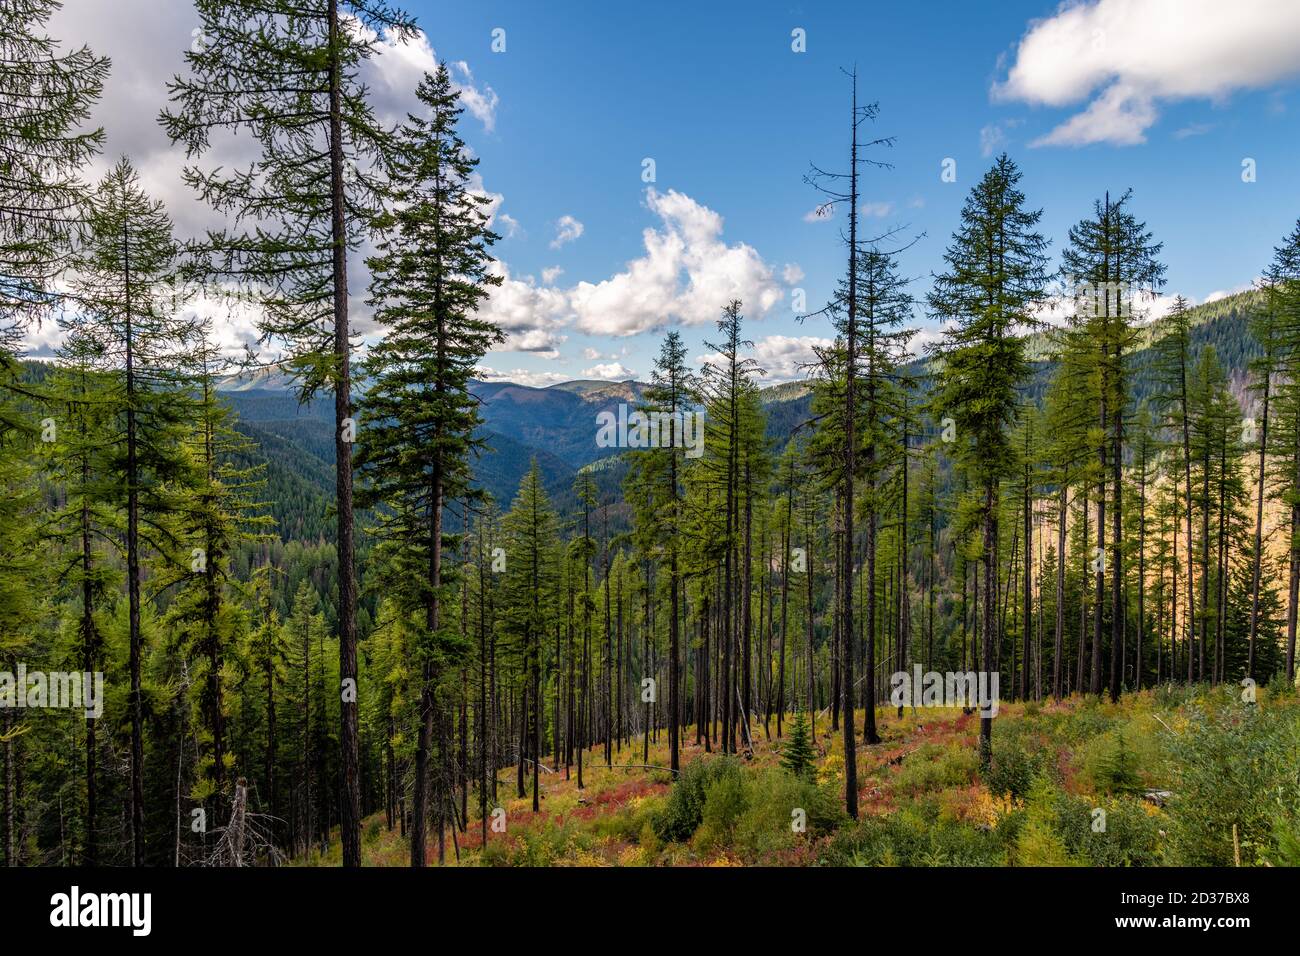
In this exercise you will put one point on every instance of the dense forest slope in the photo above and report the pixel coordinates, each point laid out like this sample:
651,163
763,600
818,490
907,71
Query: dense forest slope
557,424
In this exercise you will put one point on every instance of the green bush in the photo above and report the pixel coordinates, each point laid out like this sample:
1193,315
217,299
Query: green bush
1063,829
1280,687
915,836
1017,760
1236,765
1110,765
684,811
772,798
936,767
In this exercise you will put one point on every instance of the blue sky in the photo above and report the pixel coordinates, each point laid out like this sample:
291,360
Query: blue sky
1168,97
732,117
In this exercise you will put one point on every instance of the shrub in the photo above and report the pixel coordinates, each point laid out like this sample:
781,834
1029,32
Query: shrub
725,801
1062,829
1016,762
1236,765
915,836
682,814
1110,765
935,767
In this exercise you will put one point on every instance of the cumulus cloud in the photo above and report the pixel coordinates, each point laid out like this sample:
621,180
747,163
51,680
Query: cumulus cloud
532,315
783,358
610,372
687,274
567,229
1118,55
791,274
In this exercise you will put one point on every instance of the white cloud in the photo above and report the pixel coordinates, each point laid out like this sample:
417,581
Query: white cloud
687,275
567,229
1128,55
784,358
521,376
509,226
531,315
610,372
551,274
792,274
819,213
878,210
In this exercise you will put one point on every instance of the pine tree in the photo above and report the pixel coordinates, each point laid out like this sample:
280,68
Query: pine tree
125,324
1174,369
996,275
797,755
1282,298
1109,259
530,595
286,71
223,511
417,436
46,96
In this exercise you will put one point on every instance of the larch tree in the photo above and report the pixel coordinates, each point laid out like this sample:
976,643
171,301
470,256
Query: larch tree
287,72
995,277
125,323
46,97
1109,261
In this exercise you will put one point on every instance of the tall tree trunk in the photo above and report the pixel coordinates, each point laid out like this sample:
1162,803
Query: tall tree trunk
349,742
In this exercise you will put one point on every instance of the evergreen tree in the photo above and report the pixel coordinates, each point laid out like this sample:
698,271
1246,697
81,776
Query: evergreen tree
428,280
286,71
797,756
125,324
996,276
46,96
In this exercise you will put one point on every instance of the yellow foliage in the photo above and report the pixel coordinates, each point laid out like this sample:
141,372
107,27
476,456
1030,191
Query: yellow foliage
832,768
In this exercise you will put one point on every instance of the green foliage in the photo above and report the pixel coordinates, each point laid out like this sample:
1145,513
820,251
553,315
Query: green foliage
1237,765
1110,766
682,816
1017,761
916,835
935,767
797,755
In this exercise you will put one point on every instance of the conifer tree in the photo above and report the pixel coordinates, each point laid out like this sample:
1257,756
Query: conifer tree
417,441
1174,364
286,72
996,275
1108,261
46,96
125,323
530,595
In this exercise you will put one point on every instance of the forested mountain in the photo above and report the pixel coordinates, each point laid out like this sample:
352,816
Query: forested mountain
555,424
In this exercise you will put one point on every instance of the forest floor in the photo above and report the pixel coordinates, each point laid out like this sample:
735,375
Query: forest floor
1177,775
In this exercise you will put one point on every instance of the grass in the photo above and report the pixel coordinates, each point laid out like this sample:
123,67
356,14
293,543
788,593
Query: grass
1070,785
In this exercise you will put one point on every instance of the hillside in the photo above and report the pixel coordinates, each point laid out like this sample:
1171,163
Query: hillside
1147,782
557,424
